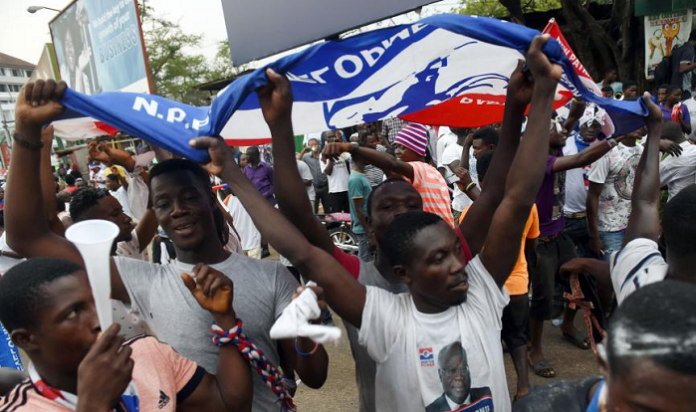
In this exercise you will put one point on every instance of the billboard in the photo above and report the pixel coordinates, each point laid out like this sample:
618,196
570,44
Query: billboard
99,46
260,28
663,33
46,68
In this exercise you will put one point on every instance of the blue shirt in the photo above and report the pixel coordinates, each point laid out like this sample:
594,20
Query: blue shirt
358,188
261,177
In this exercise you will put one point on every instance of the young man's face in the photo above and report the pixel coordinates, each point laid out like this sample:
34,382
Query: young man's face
243,160
108,208
66,326
480,147
436,275
557,139
661,94
674,97
651,387
405,154
372,141
390,201
589,132
113,185
183,208
631,93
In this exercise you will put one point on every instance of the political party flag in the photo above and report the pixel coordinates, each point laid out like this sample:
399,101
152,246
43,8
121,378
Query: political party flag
447,69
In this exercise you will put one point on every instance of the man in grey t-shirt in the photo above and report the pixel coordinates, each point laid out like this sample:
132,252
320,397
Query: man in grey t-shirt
311,156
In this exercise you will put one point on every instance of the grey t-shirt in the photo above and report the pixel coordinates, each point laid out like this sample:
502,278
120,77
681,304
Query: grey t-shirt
262,289
365,368
320,181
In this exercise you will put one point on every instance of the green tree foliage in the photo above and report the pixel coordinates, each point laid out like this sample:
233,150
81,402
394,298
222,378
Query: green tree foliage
495,8
175,65
222,66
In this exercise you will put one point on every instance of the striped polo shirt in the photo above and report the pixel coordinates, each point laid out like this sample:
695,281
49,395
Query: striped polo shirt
433,190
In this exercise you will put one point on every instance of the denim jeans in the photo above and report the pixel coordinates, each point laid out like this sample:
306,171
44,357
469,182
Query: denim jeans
612,242
364,251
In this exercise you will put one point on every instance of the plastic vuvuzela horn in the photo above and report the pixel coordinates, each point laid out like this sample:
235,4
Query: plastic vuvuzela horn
94,239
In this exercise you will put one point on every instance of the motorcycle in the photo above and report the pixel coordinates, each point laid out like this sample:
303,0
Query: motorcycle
339,227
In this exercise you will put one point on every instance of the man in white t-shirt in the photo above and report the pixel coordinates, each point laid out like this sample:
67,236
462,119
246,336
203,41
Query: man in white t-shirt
640,262
449,301
307,179
97,176
118,187
338,174
249,235
677,172
609,196
445,138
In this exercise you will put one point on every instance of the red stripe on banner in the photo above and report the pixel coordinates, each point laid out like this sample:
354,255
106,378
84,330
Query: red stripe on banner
248,142
471,110
111,131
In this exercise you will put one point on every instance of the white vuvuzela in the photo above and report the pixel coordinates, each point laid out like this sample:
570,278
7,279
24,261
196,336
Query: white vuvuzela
94,239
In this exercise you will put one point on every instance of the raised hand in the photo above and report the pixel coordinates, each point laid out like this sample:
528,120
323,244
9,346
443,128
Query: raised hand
319,291
670,147
276,100
521,85
221,156
654,116
539,64
104,374
212,290
97,153
37,105
333,151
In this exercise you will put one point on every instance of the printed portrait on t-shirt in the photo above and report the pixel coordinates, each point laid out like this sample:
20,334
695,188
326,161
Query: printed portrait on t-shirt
458,392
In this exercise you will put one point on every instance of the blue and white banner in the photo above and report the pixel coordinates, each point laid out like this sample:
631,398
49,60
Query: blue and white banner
448,70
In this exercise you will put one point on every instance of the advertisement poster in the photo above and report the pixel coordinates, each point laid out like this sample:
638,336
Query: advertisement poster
663,33
99,47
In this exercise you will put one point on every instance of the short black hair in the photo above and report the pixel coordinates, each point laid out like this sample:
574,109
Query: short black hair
679,224
362,137
113,176
401,233
202,176
488,135
482,164
628,84
70,180
20,289
379,188
85,199
663,86
657,322
672,130
607,89
672,88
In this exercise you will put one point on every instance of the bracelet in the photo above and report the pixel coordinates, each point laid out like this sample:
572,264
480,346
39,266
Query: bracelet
470,186
26,143
306,354
611,142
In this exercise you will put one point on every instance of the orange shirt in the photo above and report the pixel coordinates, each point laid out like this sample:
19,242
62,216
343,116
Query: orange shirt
518,282
433,190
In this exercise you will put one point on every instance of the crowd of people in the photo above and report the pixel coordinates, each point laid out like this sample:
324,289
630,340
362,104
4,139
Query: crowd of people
469,241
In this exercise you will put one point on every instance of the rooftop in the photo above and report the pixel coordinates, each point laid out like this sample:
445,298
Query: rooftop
13,62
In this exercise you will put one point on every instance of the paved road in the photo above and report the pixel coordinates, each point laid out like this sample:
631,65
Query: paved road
339,393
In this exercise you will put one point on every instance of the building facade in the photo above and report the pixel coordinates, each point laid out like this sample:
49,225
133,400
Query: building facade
13,74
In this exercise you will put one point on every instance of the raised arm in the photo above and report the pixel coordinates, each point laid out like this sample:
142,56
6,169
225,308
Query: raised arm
478,220
384,161
644,221
592,207
38,104
345,295
502,245
288,182
48,184
586,157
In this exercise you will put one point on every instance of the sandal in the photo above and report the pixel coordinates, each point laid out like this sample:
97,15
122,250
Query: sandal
543,368
582,343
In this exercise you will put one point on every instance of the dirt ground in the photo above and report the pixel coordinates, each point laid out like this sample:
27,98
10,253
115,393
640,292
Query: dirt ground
340,394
